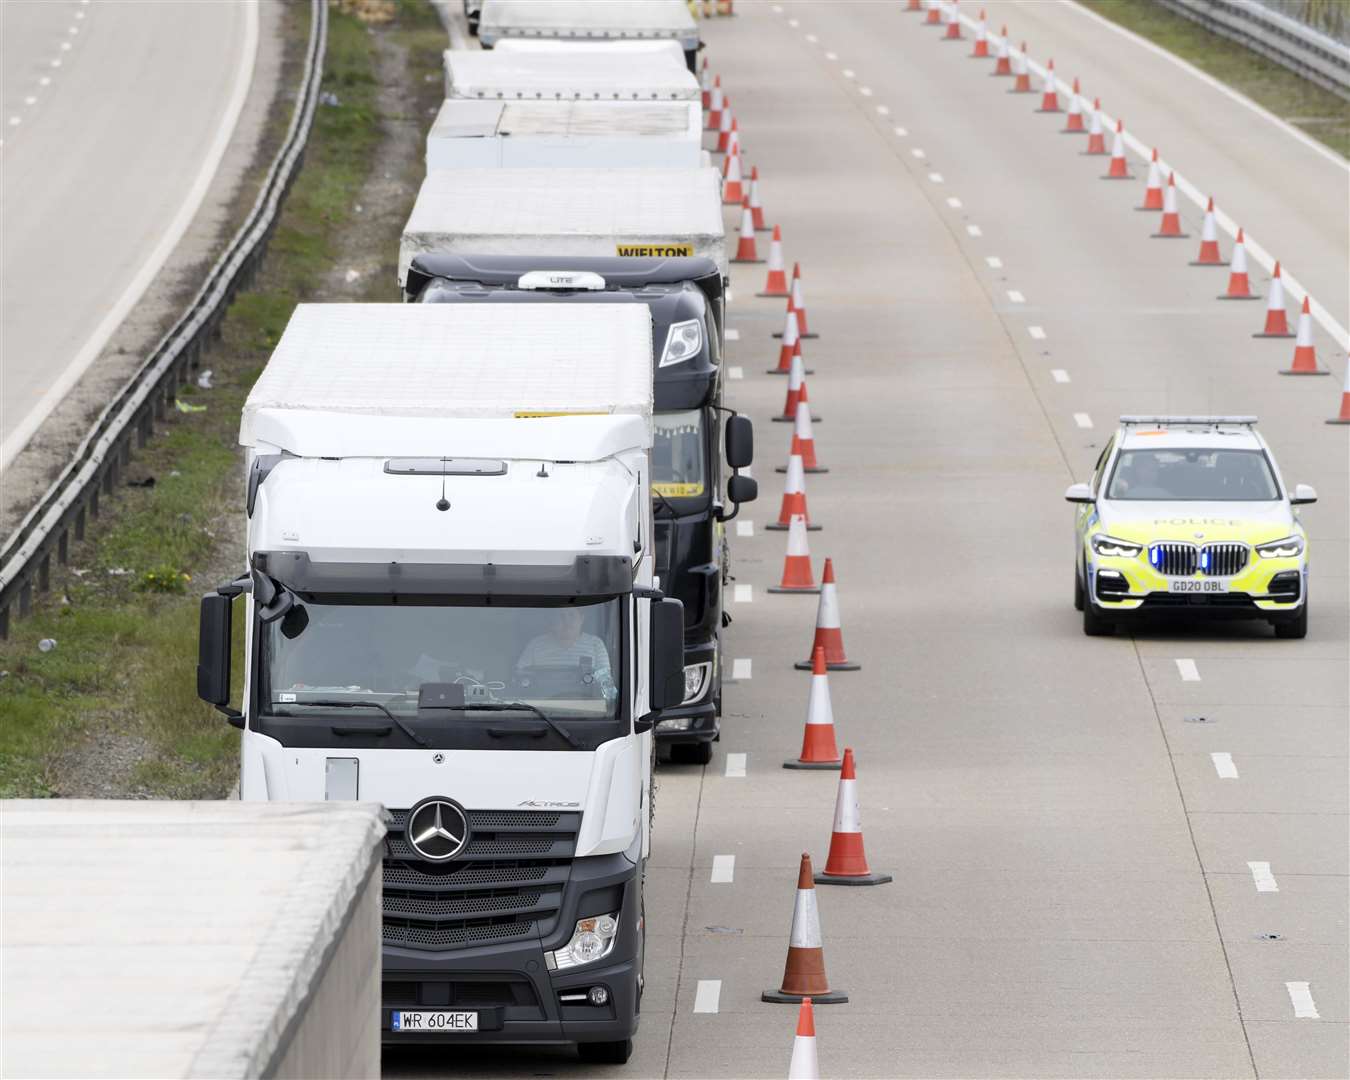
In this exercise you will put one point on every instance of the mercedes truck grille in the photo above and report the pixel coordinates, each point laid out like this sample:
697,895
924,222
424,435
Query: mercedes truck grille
1185,560
506,885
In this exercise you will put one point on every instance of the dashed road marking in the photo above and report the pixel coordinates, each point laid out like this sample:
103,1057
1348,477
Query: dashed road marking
15,121
1300,996
995,263
744,594
723,869
794,23
1188,671
30,100
1082,419
831,56
741,668
1015,297
953,202
1037,332
733,335
736,372
1059,374
745,528
1223,765
708,995
974,230
865,91
812,38
883,110
1262,877
901,132
847,73
918,153
936,177
736,765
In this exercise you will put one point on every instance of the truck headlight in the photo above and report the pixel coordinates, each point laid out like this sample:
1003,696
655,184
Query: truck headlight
592,940
675,723
683,340
696,680
1280,549
1110,545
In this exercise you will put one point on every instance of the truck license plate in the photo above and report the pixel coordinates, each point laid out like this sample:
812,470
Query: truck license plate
405,1022
1198,585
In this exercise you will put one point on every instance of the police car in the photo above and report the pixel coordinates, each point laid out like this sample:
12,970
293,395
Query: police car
1189,515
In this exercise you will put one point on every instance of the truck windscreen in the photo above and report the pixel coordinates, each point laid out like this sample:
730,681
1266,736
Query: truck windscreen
565,661
678,450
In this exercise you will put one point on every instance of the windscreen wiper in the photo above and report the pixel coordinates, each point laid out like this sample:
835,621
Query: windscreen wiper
364,705
515,706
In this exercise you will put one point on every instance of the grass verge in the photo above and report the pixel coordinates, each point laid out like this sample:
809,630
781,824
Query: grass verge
1319,113
111,708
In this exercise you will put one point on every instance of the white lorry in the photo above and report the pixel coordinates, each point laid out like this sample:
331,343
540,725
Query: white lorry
589,20
450,610
610,74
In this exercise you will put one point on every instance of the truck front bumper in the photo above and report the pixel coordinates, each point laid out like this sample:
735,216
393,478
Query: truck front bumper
697,720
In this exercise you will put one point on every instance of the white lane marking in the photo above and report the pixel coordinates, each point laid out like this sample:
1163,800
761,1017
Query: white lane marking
1300,996
708,995
745,528
741,668
735,372
995,263
883,110
918,153
735,766
865,91
723,869
733,334
1037,332
936,177
794,23
1059,375
30,100
1188,671
901,132
831,56
953,202
15,121
1223,765
16,439
744,594
974,230
847,73
1082,419
1015,297
56,62
1262,877
778,9
812,38
729,296
65,46
46,80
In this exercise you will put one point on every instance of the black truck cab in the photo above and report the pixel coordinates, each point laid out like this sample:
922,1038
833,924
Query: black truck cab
692,498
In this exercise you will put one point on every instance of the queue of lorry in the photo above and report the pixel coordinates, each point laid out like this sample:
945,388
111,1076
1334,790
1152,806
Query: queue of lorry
486,548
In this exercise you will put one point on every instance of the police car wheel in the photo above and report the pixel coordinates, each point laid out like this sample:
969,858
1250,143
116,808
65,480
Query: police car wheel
1295,628
606,1053
1078,594
1094,623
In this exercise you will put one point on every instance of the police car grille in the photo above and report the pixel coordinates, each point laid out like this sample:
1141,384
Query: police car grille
1223,560
1174,560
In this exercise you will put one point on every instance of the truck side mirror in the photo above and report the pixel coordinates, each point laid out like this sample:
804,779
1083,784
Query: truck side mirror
213,654
740,442
666,676
742,489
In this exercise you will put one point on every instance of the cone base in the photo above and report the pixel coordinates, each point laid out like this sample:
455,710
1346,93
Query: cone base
1164,235
1262,335
1249,296
812,469
842,665
1197,262
830,997
1014,90
1094,153
776,527
1148,209
1127,176
779,295
1339,420
747,262
763,228
779,334
780,419
1296,371
824,766
787,371
852,879
1049,110
793,588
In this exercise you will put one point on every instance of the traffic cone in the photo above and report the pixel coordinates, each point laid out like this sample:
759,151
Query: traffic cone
724,128
953,24
829,632
797,576
775,283
934,17
1277,322
732,192
1209,240
914,5
745,246
1049,95
1096,146
1343,418
1073,122
797,300
802,437
794,496
705,84
1002,62
1305,359
1153,188
804,1065
804,974
1239,288
818,748
756,210
981,49
1171,219
796,392
1021,78
733,148
846,863
715,103
791,346
1118,170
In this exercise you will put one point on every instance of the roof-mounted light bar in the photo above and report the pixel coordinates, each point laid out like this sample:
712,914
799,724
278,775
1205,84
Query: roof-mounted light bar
1190,421
544,280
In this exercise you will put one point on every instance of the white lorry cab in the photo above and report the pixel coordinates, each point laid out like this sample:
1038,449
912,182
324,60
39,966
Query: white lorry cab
587,20
450,609
618,74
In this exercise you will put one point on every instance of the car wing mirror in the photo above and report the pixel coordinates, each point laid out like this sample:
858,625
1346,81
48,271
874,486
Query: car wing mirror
1080,493
1304,495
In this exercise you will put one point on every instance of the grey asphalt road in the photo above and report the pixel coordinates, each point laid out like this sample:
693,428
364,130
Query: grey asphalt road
1073,893
114,116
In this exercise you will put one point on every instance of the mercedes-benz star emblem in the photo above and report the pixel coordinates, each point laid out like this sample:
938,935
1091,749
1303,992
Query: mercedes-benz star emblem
437,829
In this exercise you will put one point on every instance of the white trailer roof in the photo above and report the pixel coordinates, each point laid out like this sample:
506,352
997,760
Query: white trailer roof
620,75
649,48
455,362
566,212
586,19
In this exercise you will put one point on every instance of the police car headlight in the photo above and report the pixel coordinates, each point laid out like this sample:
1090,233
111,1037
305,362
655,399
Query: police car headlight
696,680
592,940
1281,549
1109,545
683,340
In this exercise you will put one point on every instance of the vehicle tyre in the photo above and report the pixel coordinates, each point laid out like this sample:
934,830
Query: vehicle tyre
1094,623
606,1053
1295,628
1078,594
691,753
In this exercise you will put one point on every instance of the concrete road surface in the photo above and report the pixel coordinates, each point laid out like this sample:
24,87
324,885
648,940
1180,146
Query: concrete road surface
1118,857
114,116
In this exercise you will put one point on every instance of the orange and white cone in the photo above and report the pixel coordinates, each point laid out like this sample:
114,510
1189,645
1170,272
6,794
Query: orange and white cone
953,32
1096,146
796,391
1170,229
745,246
1210,255
981,49
1049,93
1073,121
804,974
802,437
846,863
732,189
791,346
724,130
914,5
804,1065
1021,77
1343,418
829,632
818,747
1002,61
797,301
794,495
776,282
1153,188
1277,320
797,575
756,209
705,84
733,147
1239,287
934,16
1305,359
1117,169
715,103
